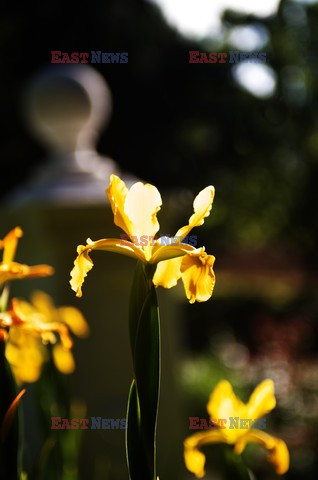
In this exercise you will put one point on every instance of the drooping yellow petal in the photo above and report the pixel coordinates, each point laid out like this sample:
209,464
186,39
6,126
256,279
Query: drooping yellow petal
277,448
18,271
63,359
197,275
194,461
142,203
117,193
83,263
202,206
262,400
279,457
9,244
167,273
193,458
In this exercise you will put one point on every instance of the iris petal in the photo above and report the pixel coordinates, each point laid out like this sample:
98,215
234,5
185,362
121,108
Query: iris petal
223,403
166,252
202,206
63,359
74,319
277,448
168,273
117,192
83,263
198,276
193,458
262,399
18,271
142,203
9,244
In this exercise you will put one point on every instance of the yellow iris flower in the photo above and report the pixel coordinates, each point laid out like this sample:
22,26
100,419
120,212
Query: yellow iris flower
33,324
223,404
10,270
135,211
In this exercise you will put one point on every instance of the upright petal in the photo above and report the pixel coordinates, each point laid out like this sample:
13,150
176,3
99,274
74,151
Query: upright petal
197,275
223,402
117,192
142,203
278,451
202,206
262,400
9,244
43,303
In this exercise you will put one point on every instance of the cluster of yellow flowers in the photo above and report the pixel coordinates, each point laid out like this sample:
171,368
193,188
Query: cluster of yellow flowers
26,327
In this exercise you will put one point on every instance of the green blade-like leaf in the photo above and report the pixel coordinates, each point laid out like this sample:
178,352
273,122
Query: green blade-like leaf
147,371
143,403
135,450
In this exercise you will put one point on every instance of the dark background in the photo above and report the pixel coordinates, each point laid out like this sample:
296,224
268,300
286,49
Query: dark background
184,126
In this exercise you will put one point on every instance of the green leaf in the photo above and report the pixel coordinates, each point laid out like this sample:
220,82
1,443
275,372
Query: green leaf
147,371
144,396
135,451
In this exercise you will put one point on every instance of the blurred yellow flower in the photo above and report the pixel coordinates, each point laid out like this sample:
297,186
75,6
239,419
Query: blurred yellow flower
135,211
223,404
10,270
29,326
